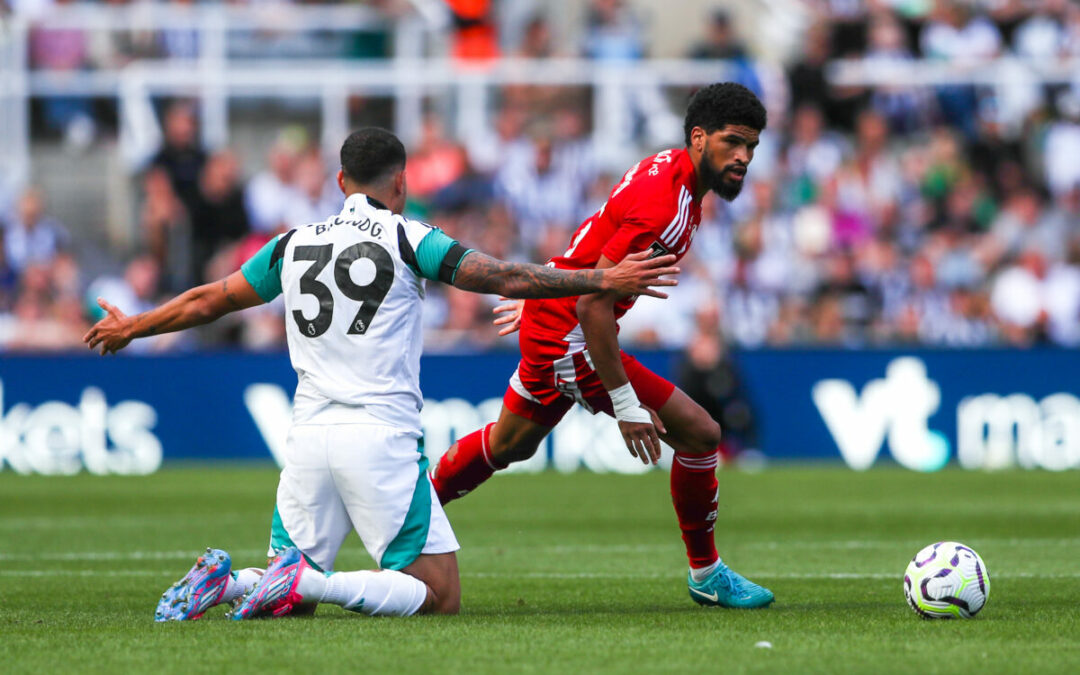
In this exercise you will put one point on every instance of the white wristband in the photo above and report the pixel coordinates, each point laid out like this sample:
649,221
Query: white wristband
627,406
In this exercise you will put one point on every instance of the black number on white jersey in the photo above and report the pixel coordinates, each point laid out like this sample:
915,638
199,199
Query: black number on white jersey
311,286
370,295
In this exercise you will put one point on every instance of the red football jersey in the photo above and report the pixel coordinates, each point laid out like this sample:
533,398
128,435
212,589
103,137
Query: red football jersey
653,207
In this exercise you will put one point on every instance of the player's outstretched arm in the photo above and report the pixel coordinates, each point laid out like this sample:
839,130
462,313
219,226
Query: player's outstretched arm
635,275
195,307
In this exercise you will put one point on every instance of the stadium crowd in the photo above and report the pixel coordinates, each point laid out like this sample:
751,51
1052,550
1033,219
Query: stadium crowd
900,215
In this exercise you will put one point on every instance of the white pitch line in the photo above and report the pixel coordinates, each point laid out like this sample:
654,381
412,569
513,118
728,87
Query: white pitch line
116,555
548,575
612,549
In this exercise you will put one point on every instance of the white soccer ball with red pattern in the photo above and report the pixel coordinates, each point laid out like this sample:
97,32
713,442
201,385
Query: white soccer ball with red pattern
946,580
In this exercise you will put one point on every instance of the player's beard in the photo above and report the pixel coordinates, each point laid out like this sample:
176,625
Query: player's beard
716,181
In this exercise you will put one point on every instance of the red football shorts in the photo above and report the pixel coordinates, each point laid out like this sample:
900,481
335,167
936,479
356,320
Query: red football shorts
543,391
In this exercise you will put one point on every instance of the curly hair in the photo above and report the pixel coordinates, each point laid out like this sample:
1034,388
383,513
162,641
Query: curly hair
723,103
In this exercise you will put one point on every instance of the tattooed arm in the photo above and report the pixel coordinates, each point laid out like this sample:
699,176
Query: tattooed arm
194,307
635,275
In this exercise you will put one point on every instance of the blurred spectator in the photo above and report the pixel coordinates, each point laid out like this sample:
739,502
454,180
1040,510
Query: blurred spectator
865,192
905,108
436,162
9,281
1023,225
218,216
166,230
808,84
47,315
1042,35
181,156
63,49
314,198
851,304
722,43
540,193
505,144
270,193
613,32
466,322
708,375
1019,299
138,290
812,156
179,43
31,236
1062,145
955,32
474,36
538,99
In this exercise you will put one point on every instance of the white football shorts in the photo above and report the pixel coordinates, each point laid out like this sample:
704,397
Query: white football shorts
371,478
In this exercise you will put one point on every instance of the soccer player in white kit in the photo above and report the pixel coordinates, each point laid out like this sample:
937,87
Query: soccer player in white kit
353,288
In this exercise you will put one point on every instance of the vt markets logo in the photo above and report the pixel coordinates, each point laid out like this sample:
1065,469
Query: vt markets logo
896,408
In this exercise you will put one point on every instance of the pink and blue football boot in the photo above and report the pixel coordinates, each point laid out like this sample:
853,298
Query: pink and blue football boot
275,594
200,589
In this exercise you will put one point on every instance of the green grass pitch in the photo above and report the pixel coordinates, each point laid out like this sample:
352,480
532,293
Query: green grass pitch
560,573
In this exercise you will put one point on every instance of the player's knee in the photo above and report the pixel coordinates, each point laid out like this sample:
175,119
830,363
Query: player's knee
509,450
704,436
516,453
447,599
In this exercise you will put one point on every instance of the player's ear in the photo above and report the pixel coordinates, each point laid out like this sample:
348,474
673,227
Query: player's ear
341,180
697,139
399,182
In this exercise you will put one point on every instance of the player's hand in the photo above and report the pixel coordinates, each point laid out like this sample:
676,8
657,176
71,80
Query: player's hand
512,315
641,438
111,333
636,274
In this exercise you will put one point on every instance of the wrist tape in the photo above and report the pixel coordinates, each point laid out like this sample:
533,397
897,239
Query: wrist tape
627,407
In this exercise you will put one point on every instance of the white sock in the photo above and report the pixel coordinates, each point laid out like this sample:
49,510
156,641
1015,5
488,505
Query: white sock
376,593
312,585
700,574
240,582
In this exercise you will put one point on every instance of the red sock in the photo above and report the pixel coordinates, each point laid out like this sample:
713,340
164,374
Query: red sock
694,492
460,471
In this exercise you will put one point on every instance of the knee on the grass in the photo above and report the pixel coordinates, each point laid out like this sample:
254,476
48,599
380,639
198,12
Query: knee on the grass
445,601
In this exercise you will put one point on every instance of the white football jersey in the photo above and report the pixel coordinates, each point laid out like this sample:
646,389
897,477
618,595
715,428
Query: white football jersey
354,287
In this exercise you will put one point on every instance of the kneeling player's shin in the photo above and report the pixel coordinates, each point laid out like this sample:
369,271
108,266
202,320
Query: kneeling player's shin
461,470
693,491
382,593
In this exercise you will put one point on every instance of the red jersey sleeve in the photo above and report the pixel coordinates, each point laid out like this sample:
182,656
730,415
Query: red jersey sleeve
642,222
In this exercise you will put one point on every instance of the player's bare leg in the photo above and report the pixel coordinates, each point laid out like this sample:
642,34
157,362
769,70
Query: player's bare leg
477,456
695,437
439,572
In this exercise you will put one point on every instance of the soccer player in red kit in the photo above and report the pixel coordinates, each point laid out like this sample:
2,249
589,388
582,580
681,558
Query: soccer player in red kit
570,351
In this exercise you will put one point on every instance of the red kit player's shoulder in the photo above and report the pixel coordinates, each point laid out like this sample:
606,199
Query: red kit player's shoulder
654,176
653,189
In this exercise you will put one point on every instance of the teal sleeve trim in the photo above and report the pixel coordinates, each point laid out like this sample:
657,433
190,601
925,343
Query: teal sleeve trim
431,251
263,271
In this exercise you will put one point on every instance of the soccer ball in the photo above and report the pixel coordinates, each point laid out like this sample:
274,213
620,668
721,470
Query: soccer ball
946,580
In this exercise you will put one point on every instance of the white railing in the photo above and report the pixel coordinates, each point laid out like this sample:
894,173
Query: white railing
1003,71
